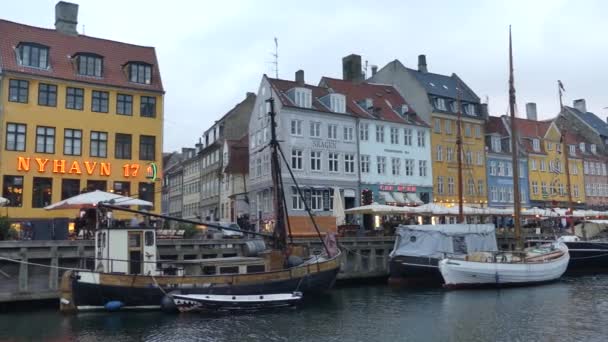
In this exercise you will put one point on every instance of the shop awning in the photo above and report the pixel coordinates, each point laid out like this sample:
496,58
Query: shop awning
399,198
413,198
387,197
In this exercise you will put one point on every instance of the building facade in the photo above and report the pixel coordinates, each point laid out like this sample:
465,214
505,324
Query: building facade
435,98
234,199
192,186
78,113
173,179
318,139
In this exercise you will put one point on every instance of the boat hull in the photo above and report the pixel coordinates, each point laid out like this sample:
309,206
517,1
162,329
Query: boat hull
214,303
415,271
467,274
587,257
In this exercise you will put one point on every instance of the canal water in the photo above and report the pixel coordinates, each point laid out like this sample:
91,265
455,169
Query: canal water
574,309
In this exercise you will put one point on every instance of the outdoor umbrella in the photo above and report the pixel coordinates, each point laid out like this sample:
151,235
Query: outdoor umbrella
378,209
338,207
91,199
3,201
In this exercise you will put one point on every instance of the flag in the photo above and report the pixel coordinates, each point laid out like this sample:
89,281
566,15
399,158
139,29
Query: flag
561,86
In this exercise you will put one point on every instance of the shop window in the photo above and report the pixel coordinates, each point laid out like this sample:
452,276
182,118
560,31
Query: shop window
69,188
93,185
42,192
122,188
13,190
145,192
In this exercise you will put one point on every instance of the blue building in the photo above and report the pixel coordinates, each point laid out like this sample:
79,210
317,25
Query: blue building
500,166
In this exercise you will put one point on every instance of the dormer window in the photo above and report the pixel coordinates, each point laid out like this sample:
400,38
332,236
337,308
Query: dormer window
89,64
593,149
536,145
33,55
469,109
454,106
496,144
337,103
582,147
440,103
572,150
140,72
303,97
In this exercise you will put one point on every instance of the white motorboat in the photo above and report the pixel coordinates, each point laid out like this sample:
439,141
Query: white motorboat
211,302
497,269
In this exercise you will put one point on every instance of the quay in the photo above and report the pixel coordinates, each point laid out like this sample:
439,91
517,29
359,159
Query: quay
43,262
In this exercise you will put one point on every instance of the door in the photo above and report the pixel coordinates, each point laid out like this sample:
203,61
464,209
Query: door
135,253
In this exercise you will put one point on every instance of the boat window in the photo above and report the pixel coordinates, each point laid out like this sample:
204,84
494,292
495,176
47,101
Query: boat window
149,238
134,240
412,238
255,268
103,240
209,270
229,270
459,244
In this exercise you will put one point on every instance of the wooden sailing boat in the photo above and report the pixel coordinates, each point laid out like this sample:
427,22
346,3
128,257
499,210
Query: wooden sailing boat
522,267
128,275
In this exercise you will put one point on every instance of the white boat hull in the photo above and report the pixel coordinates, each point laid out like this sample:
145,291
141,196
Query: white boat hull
462,274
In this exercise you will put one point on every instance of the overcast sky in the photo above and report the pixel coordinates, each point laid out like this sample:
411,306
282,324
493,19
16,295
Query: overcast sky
212,52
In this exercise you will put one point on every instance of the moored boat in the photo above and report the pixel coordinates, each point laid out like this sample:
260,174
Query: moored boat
218,303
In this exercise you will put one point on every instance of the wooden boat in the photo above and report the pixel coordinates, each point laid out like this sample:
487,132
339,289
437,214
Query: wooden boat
127,271
213,302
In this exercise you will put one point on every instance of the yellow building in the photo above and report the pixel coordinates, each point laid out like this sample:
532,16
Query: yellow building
546,164
445,164
77,113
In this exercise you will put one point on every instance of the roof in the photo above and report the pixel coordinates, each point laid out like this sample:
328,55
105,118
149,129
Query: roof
495,125
62,46
531,129
238,156
386,100
282,86
444,86
599,125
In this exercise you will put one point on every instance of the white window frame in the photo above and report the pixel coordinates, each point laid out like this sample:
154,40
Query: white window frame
297,157
316,161
364,163
315,129
349,163
296,127
332,131
333,162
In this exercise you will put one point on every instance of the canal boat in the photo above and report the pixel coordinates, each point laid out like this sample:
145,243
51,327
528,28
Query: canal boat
232,303
415,258
128,274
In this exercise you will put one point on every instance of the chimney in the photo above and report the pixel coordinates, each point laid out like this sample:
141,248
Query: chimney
580,105
485,111
422,63
531,111
351,68
300,77
66,18
374,69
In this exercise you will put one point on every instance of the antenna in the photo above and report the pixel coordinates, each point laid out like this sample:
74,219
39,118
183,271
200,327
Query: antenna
365,75
276,57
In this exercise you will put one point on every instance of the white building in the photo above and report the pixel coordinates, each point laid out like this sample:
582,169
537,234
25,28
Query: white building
234,200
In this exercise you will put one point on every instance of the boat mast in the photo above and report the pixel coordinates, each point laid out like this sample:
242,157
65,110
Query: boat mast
563,130
514,149
280,235
459,152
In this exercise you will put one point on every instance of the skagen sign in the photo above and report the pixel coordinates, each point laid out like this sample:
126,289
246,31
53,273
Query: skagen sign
75,167
328,145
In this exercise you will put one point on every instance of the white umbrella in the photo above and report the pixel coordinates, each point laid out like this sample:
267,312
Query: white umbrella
91,199
3,201
431,209
338,207
376,208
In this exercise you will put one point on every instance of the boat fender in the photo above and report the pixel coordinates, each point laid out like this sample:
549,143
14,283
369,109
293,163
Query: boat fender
167,305
114,305
293,261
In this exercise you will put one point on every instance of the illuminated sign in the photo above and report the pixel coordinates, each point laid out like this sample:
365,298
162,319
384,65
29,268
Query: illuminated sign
152,172
400,188
75,167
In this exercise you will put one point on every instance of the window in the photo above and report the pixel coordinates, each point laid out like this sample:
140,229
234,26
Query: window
439,156
12,190
479,158
47,95
575,191
440,104
296,127
337,103
381,162
409,167
124,104
449,155
582,147
296,159
572,149
450,185
145,191
147,147
536,145
437,126
364,163
122,188
34,55
379,133
440,184
468,157
74,98
407,136
471,186
140,73
422,168
561,189
316,200
394,135
18,91
573,168
89,65
421,138
470,109
349,134
349,163
333,162
72,142
332,131
99,144
558,147
45,139
593,149
467,130
493,169
147,106
99,101
477,131
258,167
42,192
315,160
448,126
543,165
296,200
396,166
543,187
535,187
480,187
533,164
496,144
315,129
364,132
493,194
303,97
69,188
15,136
122,148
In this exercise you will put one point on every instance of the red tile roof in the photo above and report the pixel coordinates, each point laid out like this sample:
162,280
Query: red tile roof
530,129
282,86
61,46
495,125
386,100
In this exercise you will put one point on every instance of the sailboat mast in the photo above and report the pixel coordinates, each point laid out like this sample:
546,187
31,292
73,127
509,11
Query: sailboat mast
459,157
514,149
280,234
560,87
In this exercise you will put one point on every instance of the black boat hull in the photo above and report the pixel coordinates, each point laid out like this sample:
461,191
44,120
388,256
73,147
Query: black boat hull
587,257
415,271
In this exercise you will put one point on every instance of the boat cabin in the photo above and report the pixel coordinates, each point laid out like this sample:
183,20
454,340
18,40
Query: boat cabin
130,250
